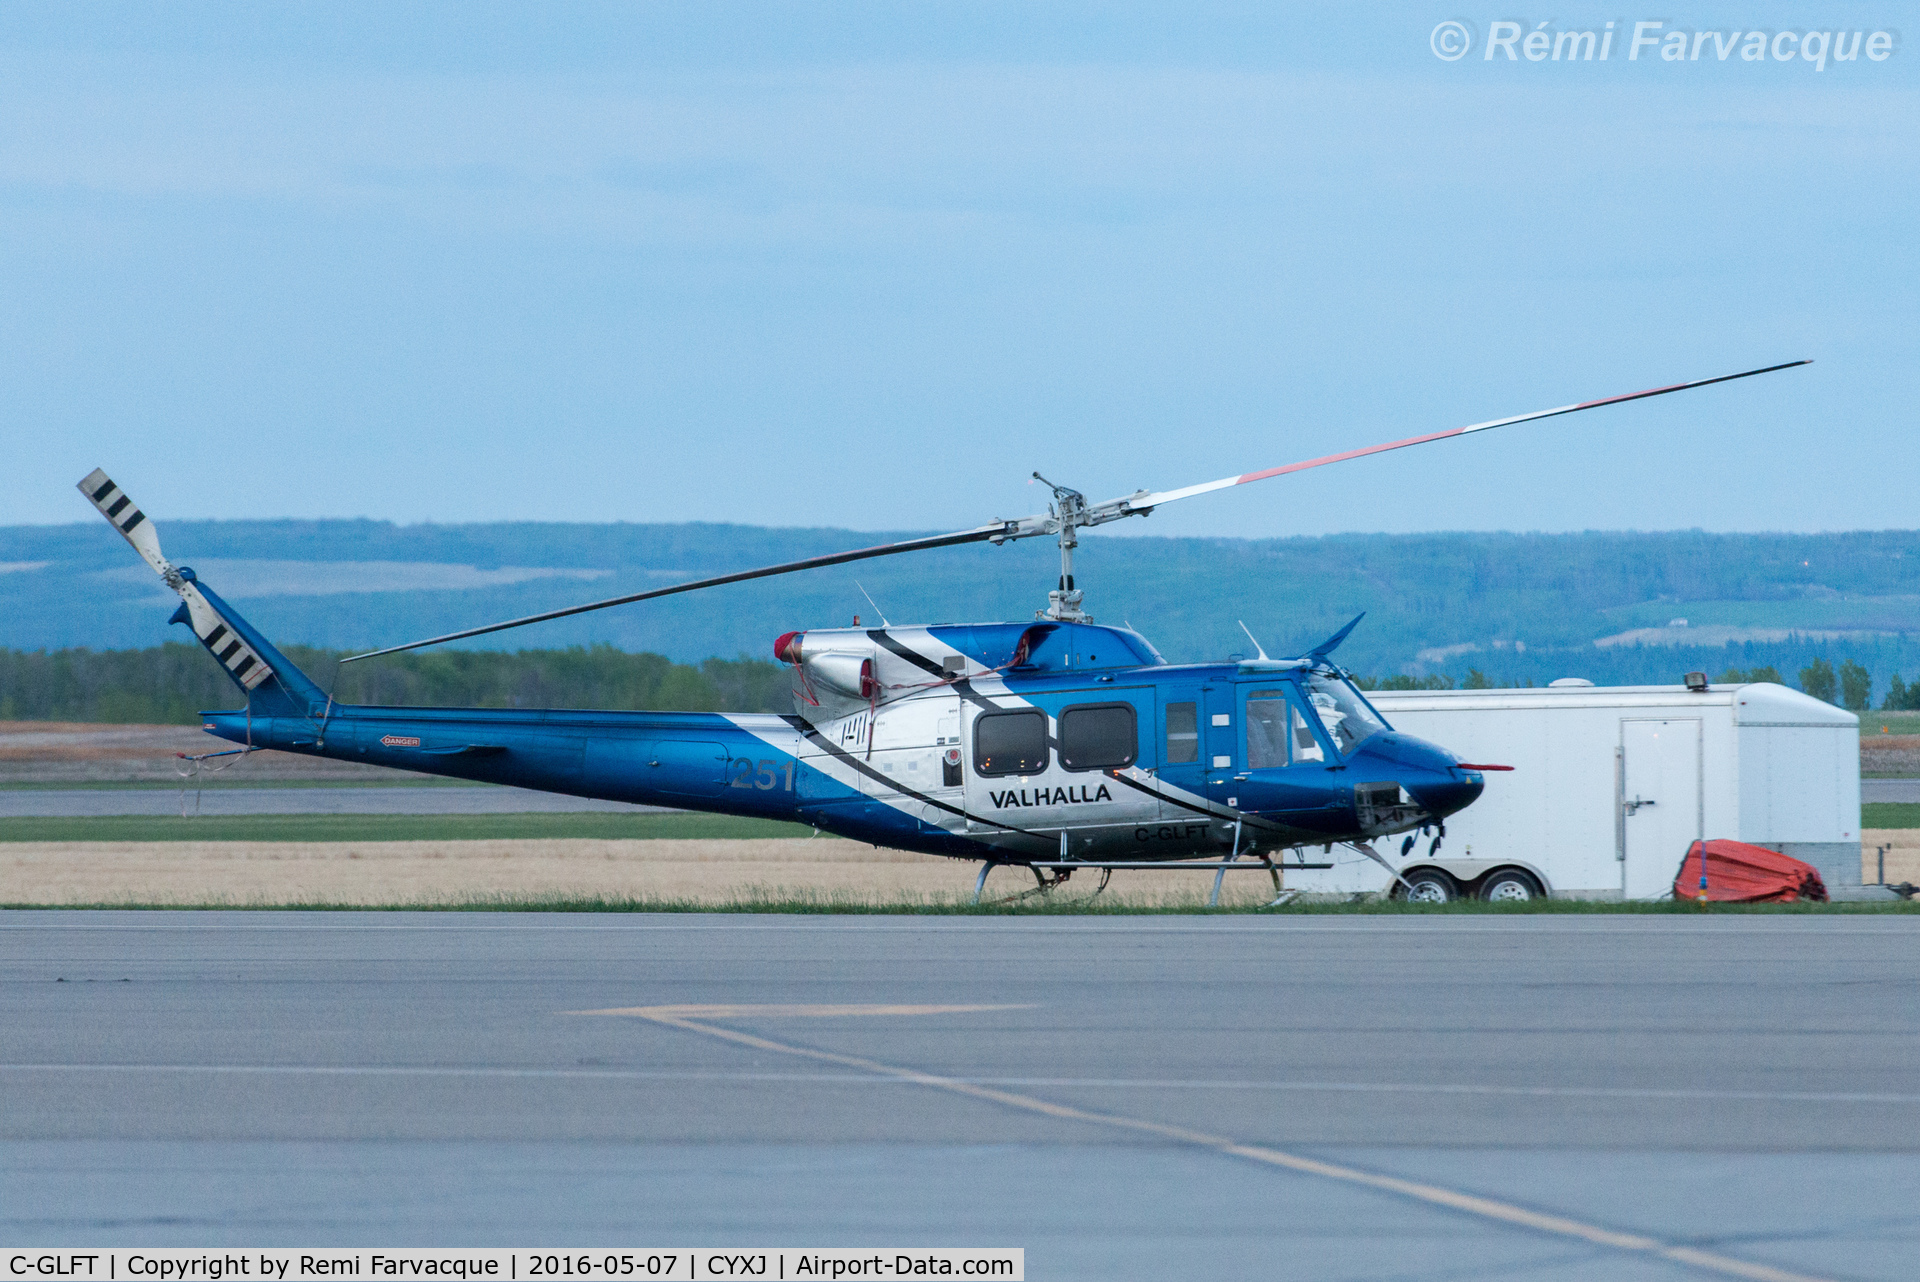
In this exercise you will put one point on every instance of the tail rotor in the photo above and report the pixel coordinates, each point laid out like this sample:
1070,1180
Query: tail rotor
222,641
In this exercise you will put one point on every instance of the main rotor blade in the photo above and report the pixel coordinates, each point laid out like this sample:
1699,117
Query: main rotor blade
1138,504
1140,501
980,534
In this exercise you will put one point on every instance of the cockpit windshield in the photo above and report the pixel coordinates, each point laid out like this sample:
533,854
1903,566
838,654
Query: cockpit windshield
1347,717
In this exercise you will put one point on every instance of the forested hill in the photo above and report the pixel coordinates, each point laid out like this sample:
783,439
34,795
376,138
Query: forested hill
175,682
1516,607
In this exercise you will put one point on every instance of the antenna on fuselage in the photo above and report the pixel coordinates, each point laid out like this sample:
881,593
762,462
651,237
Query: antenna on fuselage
875,604
1256,640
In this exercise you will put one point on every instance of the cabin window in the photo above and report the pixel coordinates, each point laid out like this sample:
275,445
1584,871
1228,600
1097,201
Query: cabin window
1099,736
1183,734
1010,743
1267,712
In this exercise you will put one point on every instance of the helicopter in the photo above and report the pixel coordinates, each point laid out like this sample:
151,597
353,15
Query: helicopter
1055,745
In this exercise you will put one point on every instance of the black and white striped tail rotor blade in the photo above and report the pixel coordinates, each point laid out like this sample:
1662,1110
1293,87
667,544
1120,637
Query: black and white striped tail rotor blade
126,517
221,640
226,645
247,667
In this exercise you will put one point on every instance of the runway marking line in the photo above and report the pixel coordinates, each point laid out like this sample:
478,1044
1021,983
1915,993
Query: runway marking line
786,1012
1433,1194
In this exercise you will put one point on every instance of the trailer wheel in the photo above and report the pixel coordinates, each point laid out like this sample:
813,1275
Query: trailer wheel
1428,886
1511,886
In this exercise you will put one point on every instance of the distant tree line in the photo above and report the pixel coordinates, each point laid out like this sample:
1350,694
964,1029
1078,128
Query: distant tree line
1474,680
1400,682
170,684
1557,593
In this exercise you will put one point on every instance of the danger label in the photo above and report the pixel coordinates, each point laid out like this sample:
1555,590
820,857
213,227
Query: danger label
399,741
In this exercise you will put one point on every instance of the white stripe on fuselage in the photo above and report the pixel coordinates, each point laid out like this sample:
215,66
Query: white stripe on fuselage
906,732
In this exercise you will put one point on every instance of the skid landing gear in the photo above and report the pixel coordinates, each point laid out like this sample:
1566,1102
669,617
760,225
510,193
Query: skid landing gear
1045,884
1256,861
1280,896
1220,874
981,884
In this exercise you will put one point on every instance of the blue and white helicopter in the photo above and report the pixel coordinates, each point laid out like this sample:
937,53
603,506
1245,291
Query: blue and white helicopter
1056,745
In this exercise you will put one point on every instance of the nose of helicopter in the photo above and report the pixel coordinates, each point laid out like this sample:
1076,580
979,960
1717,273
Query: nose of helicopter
1454,790
1431,775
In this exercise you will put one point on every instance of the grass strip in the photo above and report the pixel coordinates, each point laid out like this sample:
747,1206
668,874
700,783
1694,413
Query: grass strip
1890,814
330,828
850,904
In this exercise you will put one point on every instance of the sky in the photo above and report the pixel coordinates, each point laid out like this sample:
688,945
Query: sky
871,266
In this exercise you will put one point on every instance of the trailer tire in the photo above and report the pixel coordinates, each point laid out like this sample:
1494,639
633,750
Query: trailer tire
1427,886
1511,886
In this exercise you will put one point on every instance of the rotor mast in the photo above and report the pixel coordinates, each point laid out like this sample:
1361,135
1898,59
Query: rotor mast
1065,517
1069,513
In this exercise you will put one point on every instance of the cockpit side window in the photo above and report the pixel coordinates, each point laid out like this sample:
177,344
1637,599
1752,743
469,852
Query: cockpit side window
1349,720
1305,746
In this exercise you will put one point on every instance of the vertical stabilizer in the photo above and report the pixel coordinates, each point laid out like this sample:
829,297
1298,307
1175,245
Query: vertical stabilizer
222,640
302,695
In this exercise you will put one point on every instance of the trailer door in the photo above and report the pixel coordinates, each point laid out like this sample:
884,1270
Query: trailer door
1659,803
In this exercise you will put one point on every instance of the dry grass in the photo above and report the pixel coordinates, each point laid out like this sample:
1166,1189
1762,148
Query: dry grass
1903,854
823,873
386,873
719,872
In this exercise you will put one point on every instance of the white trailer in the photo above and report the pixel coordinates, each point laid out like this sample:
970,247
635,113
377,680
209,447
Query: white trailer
1610,785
